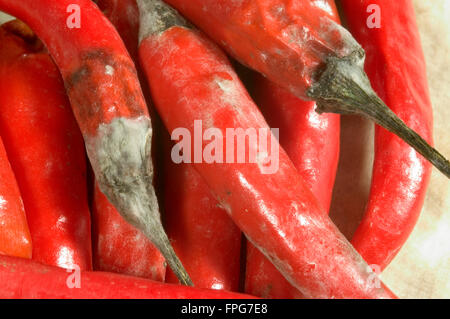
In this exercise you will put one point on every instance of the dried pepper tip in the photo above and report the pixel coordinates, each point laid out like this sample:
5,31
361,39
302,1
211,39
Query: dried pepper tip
171,257
344,88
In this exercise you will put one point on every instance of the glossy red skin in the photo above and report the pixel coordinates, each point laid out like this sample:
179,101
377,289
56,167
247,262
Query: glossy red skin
81,55
204,237
121,248
47,155
286,40
304,244
312,143
15,238
28,279
396,68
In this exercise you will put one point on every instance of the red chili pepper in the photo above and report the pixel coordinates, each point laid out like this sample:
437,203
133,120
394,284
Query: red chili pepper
105,94
46,151
28,279
209,247
304,245
117,246
121,248
300,48
15,239
202,234
397,195
312,143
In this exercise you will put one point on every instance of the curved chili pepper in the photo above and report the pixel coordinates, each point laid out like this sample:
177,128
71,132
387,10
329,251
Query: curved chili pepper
304,245
117,246
15,238
209,247
46,152
28,279
121,248
312,143
396,196
202,234
107,101
300,48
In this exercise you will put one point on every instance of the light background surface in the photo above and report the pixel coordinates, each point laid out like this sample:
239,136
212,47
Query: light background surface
422,268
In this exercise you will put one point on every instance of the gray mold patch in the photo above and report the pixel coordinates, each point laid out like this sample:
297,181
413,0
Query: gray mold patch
121,158
156,17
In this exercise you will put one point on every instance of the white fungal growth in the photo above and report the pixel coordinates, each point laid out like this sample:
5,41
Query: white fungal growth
3,203
121,159
109,70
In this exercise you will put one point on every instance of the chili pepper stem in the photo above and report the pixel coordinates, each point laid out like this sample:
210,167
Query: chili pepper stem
344,88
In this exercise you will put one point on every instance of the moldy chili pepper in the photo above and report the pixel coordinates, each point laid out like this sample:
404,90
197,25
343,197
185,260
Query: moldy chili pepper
28,279
46,151
117,246
106,98
311,141
303,244
396,68
15,239
203,236
304,51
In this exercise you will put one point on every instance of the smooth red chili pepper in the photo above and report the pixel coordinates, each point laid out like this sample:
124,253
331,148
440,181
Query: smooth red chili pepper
15,239
28,279
304,245
312,143
105,94
46,151
396,68
121,248
202,234
296,45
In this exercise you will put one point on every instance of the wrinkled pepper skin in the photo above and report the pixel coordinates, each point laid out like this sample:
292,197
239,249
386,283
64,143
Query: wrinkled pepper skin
47,154
304,245
287,41
27,279
396,68
312,143
15,238
119,247
201,232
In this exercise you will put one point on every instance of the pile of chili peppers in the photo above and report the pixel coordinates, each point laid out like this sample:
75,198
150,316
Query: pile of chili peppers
117,86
